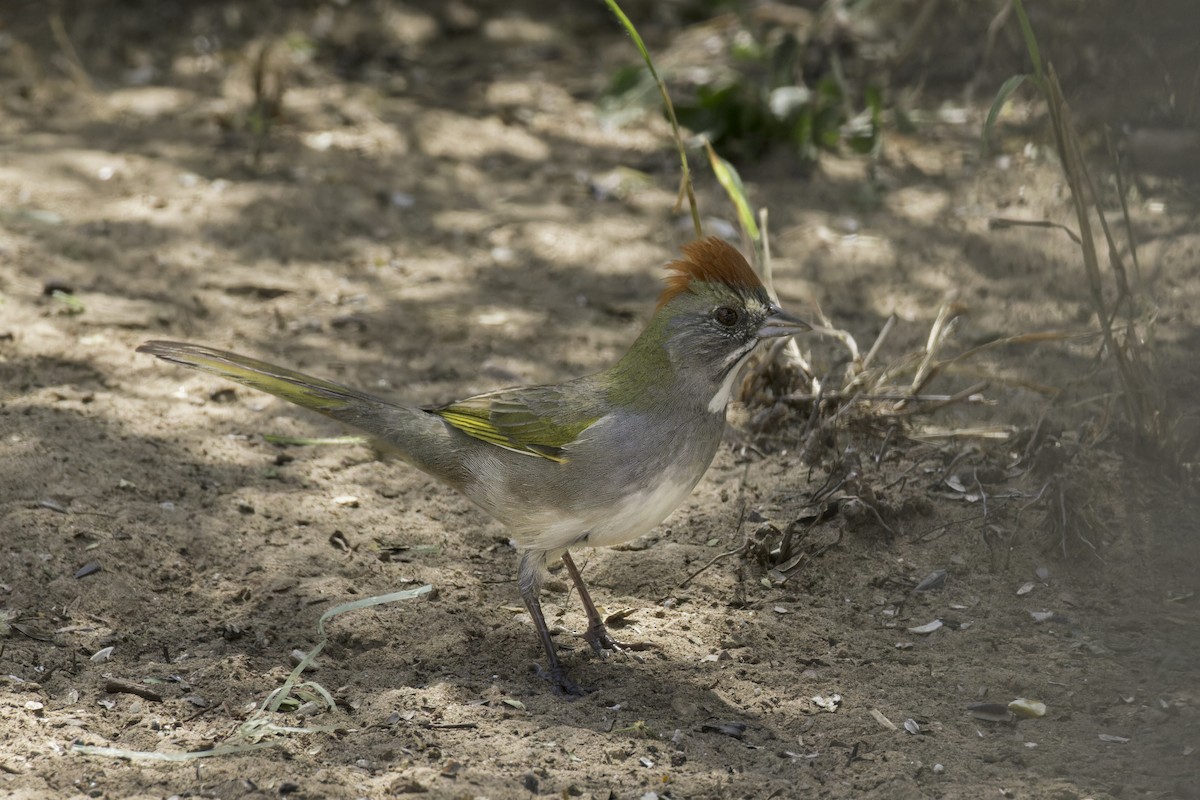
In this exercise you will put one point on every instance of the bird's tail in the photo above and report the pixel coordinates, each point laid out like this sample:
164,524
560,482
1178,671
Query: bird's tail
304,390
420,438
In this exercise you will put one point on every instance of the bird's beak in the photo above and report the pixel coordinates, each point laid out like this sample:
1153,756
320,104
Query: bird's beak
781,323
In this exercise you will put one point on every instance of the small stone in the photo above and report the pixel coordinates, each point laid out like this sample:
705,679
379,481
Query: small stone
1029,709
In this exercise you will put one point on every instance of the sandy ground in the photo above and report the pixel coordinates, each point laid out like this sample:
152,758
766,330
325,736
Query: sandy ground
438,209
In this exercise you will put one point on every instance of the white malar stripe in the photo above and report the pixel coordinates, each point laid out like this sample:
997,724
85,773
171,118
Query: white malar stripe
721,399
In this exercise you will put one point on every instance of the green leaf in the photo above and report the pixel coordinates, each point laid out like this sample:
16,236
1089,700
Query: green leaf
874,100
862,144
829,90
802,135
783,61
866,133
1010,86
731,182
72,303
827,127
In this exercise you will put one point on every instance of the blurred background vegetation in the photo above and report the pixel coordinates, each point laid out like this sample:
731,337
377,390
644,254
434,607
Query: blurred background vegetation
808,76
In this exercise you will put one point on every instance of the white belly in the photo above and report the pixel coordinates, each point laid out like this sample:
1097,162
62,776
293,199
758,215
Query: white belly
620,522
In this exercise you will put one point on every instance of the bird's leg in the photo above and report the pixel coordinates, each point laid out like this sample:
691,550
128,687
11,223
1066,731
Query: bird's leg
597,634
530,582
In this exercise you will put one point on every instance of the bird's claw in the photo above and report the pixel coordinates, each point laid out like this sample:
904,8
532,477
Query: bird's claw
563,685
603,642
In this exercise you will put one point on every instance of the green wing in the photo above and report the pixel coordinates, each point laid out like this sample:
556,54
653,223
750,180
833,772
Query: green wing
536,421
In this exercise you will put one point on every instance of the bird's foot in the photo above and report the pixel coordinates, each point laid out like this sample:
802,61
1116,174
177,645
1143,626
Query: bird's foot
563,685
602,641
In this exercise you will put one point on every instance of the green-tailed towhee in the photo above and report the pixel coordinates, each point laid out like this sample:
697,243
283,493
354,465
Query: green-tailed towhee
596,461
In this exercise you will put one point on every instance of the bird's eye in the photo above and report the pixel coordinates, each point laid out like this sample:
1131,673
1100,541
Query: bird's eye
724,315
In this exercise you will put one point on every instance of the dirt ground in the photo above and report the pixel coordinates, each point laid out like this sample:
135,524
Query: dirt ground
436,208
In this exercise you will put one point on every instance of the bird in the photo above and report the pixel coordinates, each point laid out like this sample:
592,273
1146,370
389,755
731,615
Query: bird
593,462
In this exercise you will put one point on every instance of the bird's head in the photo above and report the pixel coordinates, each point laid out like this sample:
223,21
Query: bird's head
712,314
717,310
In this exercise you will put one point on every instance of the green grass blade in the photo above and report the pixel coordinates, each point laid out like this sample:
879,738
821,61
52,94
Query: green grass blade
1010,86
662,88
152,755
279,695
276,698
303,441
367,602
1035,54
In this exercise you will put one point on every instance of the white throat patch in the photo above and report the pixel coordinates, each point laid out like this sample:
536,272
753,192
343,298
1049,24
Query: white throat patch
721,399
